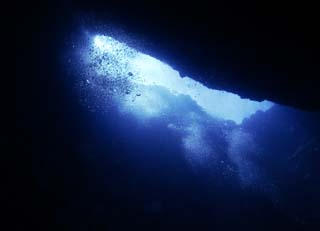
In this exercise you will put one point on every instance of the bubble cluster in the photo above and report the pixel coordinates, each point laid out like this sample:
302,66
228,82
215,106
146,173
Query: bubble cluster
117,66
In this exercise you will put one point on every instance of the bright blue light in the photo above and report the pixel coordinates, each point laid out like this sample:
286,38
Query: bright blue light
115,60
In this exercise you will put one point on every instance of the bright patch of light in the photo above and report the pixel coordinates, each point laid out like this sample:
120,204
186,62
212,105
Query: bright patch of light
115,60
151,104
104,44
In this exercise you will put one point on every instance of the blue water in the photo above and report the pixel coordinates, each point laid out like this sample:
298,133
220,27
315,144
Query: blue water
186,149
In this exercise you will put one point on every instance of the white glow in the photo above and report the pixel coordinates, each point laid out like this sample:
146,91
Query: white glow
150,104
114,59
103,43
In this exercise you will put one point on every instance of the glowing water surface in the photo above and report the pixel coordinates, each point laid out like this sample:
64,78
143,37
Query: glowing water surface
139,72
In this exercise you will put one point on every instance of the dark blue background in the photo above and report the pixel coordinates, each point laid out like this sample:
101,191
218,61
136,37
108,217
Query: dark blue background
92,171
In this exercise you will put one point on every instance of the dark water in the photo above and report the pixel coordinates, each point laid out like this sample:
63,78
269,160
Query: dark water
266,175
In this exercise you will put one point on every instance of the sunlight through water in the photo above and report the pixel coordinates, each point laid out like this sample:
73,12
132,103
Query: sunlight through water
152,107
141,77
